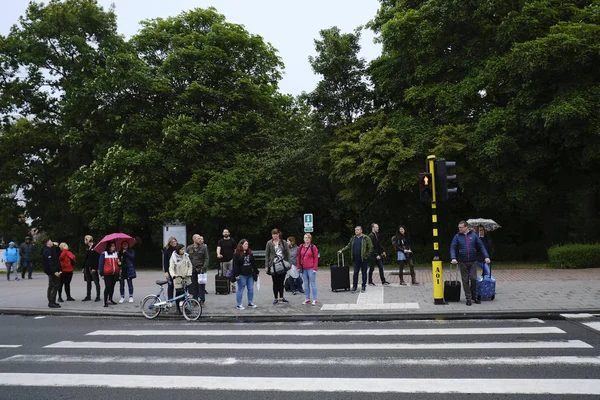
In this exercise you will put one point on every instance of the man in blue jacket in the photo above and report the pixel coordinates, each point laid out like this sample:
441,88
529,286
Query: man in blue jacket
466,243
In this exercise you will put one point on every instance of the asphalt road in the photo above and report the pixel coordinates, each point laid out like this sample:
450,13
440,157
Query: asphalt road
77,358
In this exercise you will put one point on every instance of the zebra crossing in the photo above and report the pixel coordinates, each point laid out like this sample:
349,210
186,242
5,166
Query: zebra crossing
510,357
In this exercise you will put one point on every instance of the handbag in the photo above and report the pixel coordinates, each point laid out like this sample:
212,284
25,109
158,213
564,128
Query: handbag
280,267
202,278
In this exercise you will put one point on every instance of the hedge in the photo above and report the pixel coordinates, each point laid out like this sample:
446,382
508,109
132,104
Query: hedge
575,256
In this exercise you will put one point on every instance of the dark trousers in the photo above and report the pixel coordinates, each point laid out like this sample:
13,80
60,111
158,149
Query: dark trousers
179,292
170,287
359,265
197,290
278,281
65,281
53,284
372,261
468,274
26,266
296,284
109,287
129,285
92,277
411,265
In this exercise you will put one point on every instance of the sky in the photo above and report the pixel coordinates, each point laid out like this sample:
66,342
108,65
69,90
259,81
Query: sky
290,26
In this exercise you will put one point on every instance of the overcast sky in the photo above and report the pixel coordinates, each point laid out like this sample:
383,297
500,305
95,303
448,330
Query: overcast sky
290,26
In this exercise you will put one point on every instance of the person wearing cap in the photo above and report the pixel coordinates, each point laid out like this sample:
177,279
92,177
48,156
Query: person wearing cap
26,250
11,259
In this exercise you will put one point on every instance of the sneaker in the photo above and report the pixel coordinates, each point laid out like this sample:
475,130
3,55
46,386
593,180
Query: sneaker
386,283
29,278
70,299
122,300
315,303
477,300
53,305
294,293
87,299
60,300
372,284
251,305
275,301
353,290
363,289
469,302
283,300
17,279
301,291
130,299
240,307
97,299
307,301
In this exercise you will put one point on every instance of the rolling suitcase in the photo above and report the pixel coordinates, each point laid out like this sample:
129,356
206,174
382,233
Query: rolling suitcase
340,275
222,283
486,287
452,287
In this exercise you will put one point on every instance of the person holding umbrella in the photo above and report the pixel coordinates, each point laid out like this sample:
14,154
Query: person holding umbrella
487,243
108,268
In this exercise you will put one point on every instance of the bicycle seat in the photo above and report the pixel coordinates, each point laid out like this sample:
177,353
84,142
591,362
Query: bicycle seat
161,282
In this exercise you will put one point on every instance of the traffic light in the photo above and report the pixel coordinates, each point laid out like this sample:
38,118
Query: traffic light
425,187
442,178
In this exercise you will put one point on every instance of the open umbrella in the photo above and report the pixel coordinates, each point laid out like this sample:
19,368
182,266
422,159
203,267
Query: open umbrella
118,238
488,224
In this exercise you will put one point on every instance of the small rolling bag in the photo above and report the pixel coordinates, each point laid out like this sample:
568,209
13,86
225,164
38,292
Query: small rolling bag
340,275
452,288
222,283
486,287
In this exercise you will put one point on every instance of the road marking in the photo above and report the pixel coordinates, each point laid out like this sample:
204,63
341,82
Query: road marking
535,330
288,384
370,306
40,317
577,316
594,325
569,344
332,361
373,295
10,346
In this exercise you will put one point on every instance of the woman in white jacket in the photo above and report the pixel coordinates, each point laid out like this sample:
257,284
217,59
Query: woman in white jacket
180,268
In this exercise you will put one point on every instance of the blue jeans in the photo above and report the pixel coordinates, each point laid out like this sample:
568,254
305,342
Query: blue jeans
485,268
9,267
27,266
359,265
310,283
129,284
245,281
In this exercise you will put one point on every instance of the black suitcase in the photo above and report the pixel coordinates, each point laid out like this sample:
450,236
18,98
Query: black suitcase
340,275
452,288
222,283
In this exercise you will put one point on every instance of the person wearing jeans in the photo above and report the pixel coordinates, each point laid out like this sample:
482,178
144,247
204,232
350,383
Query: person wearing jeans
126,257
361,247
11,259
244,270
308,263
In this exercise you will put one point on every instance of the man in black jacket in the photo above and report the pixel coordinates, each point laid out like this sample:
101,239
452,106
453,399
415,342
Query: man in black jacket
51,267
376,256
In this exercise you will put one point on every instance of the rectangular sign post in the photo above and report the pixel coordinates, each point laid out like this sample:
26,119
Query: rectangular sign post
308,222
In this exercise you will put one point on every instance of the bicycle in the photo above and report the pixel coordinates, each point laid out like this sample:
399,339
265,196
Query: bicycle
153,304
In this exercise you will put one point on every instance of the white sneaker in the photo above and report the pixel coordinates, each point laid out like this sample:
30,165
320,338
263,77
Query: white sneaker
315,303
122,299
131,299
240,307
251,305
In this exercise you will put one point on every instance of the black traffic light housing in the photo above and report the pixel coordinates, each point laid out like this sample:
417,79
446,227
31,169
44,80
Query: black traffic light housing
425,187
442,178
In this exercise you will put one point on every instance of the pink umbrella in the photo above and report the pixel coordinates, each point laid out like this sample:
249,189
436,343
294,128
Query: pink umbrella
118,238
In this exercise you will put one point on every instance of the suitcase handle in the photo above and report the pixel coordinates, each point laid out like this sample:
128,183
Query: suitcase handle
340,255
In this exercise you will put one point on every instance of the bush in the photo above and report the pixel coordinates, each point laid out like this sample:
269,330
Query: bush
575,256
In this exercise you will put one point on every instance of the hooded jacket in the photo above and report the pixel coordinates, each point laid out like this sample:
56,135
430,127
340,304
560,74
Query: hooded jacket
11,254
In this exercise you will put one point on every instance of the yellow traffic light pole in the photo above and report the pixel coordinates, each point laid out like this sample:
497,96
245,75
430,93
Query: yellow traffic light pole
436,263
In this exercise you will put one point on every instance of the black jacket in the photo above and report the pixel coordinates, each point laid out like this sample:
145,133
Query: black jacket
377,247
244,265
50,261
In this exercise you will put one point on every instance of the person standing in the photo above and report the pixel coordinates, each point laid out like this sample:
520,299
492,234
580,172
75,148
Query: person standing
361,247
377,256
308,263
276,249
67,266
463,251
108,268
198,253
294,275
225,249
51,267
26,250
11,259
126,259
167,253
244,270
180,268
487,243
401,243
90,268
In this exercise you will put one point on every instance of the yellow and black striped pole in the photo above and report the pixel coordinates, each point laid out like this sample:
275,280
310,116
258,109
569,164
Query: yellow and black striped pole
436,263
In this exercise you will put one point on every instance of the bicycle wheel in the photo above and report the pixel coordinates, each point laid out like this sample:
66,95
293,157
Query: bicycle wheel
148,310
192,310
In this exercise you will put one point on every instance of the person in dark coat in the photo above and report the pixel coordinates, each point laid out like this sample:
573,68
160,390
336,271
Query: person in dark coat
401,243
26,250
126,257
51,268
90,268
167,253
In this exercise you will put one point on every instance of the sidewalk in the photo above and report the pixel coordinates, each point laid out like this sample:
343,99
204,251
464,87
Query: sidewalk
520,293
